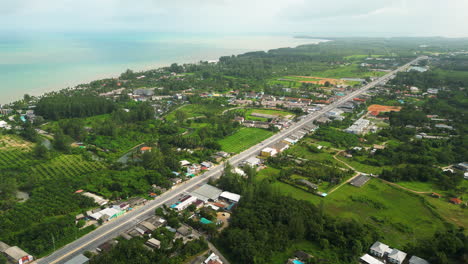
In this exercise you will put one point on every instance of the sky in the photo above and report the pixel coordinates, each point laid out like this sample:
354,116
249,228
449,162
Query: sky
311,17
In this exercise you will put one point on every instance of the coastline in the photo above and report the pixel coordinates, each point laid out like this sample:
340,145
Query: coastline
193,50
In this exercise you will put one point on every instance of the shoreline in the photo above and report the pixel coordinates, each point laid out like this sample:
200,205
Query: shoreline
209,54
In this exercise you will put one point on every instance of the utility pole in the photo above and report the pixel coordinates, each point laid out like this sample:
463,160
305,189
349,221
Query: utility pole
53,240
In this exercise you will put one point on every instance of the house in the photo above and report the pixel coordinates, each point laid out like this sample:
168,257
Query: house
396,256
184,230
145,149
213,259
417,260
148,226
436,195
252,162
455,201
97,199
184,203
368,259
290,141
107,214
281,146
379,249
217,158
239,171
107,246
206,164
79,259
223,154
231,197
184,163
154,243
17,255
239,119
4,125
268,152
175,180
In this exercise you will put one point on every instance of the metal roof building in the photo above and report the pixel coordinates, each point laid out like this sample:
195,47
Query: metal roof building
80,259
207,192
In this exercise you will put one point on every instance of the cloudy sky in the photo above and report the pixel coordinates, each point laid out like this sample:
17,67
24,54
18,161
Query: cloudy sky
314,17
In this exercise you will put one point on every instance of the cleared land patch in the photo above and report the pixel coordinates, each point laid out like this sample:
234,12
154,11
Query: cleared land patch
243,139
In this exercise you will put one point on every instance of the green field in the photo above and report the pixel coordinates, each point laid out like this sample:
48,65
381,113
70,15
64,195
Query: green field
66,165
248,113
399,217
348,71
243,139
196,110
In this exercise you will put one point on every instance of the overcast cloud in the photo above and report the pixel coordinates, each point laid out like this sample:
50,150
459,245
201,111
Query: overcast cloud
324,17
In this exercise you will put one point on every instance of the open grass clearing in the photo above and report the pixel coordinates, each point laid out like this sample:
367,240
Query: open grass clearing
196,110
243,139
399,216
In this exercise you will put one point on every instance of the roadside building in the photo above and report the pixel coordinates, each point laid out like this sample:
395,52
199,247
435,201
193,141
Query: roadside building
268,152
79,259
396,256
463,166
281,146
207,193
253,161
213,259
184,203
17,255
148,226
97,199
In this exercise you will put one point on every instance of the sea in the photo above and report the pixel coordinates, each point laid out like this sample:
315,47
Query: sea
35,63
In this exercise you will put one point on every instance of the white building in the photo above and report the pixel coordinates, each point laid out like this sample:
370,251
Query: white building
213,258
379,249
253,161
396,256
232,197
186,203
358,127
417,260
370,260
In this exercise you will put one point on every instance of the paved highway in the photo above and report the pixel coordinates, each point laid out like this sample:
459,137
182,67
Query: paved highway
123,223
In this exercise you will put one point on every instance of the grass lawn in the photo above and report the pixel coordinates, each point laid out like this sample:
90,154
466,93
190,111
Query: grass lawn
196,110
243,139
268,112
362,167
349,71
401,217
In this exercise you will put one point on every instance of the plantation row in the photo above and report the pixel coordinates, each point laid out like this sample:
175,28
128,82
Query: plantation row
66,165
13,158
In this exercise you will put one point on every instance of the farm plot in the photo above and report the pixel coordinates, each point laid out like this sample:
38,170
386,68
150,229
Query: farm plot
13,158
66,165
243,139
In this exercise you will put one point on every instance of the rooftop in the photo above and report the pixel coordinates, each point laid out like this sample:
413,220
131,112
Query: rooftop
207,192
79,259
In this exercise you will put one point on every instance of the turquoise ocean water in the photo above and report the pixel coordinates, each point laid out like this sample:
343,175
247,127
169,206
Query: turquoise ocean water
36,63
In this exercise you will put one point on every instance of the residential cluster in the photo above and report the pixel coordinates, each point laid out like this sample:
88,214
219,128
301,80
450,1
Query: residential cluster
381,253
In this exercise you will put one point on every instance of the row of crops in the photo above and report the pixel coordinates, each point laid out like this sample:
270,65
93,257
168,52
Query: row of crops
13,158
66,165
